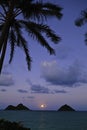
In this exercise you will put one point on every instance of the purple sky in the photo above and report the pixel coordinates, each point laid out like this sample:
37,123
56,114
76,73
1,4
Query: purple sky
53,80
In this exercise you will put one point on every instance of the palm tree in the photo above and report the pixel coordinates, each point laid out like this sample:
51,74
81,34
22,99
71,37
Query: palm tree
82,20
29,15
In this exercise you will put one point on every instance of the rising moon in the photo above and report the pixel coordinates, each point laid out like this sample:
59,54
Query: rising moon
43,105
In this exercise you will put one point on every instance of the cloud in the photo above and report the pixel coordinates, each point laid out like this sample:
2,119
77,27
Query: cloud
22,91
58,75
6,79
39,89
3,90
59,91
31,97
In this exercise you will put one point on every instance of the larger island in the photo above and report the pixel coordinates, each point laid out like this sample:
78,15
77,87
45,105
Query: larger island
18,107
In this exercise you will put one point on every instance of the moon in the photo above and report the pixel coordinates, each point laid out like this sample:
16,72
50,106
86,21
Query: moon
43,105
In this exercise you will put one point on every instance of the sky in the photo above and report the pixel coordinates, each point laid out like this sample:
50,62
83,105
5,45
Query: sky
53,80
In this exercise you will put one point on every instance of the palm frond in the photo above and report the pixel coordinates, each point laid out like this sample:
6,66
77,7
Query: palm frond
4,9
36,34
83,18
86,38
17,27
44,43
42,29
28,58
12,41
53,10
40,11
4,2
1,26
2,15
23,44
81,21
35,30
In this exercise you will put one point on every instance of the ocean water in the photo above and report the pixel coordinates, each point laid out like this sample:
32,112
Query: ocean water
48,120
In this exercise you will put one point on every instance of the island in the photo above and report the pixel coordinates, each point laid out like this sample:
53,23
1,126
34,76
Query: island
66,108
18,107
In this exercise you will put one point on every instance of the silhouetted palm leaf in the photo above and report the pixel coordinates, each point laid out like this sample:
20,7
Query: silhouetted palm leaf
82,20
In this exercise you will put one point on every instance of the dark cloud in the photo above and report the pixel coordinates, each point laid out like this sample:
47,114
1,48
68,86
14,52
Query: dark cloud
22,91
3,90
59,91
39,89
6,79
56,75
44,90
31,97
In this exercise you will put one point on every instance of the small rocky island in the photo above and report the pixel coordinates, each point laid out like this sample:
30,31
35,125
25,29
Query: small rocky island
18,107
66,108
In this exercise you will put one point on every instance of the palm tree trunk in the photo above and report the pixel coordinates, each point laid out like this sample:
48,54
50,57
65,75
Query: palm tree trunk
3,52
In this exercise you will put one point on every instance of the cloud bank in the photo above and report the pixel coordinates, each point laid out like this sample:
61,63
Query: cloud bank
22,91
3,90
57,75
6,79
40,89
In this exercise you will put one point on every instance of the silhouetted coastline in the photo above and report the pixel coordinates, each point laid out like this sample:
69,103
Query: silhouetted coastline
7,125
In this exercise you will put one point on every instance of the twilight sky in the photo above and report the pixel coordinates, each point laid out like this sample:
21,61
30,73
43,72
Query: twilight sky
53,80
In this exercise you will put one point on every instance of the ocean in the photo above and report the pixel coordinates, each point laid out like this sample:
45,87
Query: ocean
48,120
